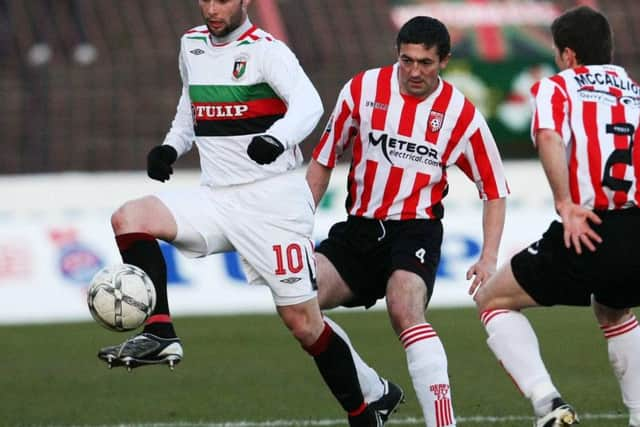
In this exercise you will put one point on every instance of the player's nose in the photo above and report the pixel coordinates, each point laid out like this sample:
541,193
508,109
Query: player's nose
210,10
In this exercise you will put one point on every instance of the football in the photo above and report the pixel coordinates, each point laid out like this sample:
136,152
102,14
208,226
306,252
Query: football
121,297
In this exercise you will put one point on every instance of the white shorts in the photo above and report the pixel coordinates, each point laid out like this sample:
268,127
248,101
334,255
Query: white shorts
268,222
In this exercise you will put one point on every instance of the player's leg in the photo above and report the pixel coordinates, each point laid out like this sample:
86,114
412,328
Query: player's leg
188,220
513,341
270,224
136,225
620,328
383,395
297,305
426,357
333,292
615,291
545,273
332,357
332,289
410,265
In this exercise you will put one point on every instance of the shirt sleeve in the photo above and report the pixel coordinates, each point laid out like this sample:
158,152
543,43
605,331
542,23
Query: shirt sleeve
181,134
481,161
283,73
549,109
339,130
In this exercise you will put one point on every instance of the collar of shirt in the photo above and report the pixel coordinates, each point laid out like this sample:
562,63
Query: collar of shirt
232,36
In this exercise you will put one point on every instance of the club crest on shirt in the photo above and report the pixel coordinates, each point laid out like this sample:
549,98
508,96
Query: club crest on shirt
435,120
239,67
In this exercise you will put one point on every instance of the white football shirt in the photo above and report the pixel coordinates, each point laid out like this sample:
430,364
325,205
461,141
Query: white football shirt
231,92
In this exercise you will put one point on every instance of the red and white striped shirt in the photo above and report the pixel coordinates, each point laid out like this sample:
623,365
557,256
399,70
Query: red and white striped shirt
402,147
596,110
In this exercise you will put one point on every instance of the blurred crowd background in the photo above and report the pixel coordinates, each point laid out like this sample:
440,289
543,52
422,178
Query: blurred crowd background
92,85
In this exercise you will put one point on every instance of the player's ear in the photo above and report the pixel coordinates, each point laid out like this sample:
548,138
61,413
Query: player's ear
444,62
571,59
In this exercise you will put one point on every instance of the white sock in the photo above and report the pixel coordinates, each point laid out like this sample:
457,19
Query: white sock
370,383
427,362
516,347
623,342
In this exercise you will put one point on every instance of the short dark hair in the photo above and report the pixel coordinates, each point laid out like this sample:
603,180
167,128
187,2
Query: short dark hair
585,31
426,31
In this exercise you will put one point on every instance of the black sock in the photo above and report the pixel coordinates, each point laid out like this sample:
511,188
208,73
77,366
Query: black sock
142,250
334,361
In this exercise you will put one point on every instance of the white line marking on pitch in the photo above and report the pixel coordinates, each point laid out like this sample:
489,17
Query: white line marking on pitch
341,422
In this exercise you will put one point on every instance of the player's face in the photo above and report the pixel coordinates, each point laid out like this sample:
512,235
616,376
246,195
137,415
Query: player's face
418,69
223,16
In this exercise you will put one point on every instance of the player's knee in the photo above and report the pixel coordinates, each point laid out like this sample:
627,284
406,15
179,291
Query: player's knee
607,316
406,304
404,314
331,294
482,301
485,302
332,290
303,332
305,328
123,220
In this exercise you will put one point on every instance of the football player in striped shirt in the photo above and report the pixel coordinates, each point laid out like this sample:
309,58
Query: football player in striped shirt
584,127
246,103
406,127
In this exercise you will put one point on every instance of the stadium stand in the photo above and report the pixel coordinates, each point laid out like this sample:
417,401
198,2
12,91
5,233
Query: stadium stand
104,110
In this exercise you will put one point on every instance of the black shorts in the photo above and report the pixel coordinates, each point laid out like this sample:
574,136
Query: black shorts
552,274
366,251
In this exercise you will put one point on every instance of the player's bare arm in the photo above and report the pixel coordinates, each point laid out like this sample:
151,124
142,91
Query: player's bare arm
318,177
575,218
493,215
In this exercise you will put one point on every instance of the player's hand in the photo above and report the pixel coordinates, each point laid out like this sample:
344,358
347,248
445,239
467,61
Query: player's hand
159,161
480,272
577,230
264,149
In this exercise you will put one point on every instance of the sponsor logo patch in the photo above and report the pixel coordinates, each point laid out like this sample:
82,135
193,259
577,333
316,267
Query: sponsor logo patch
290,280
376,105
395,149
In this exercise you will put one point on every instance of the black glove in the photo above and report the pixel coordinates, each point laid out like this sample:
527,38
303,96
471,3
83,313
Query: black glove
264,149
159,161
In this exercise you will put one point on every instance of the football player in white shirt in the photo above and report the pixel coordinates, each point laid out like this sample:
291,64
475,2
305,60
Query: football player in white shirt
246,104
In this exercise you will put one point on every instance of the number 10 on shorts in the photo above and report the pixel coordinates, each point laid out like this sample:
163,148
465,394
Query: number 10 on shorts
293,254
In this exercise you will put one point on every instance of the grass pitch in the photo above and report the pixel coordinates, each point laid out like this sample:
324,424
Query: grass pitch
248,371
